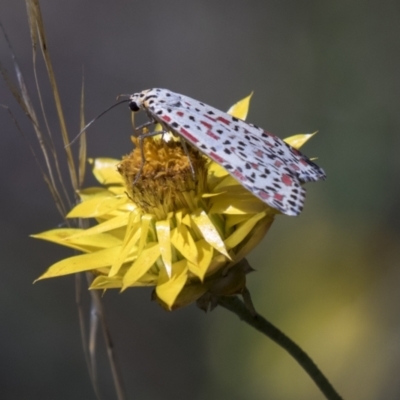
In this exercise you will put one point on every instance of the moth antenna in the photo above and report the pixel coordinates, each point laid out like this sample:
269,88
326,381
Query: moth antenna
123,95
93,120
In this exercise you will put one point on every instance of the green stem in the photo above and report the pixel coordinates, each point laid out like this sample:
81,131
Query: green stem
258,322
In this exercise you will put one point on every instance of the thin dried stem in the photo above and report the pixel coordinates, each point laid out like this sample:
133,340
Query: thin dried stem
98,309
54,179
21,95
51,146
82,140
36,21
82,325
94,328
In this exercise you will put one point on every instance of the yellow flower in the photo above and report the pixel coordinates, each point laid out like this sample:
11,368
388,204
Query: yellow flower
158,226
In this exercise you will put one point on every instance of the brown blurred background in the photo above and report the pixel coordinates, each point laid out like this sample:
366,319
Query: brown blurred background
329,278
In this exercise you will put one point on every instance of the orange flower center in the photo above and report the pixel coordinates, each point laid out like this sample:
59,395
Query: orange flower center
164,181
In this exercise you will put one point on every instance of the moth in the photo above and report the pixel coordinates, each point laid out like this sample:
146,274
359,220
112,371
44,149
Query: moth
263,163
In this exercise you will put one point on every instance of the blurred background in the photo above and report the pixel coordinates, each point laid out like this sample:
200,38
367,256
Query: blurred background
330,278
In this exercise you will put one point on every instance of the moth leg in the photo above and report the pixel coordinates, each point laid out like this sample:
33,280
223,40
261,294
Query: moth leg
184,146
140,138
145,125
186,150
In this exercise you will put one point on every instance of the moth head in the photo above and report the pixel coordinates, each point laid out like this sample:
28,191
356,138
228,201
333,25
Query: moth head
136,100
133,105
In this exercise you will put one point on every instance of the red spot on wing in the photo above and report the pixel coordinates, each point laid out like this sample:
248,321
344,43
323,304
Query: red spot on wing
180,113
278,196
224,120
166,118
259,153
213,135
212,119
264,195
294,167
278,163
188,135
238,175
216,157
255,166
267,143
286,180
206,124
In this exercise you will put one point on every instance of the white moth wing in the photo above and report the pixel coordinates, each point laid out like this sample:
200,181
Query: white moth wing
263,163
304,168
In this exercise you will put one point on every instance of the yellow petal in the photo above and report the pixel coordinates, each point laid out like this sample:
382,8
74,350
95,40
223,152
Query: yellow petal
241,108
188,294
216,173
117,190
83,262
97,206
251,241
168,289
106,226
58,236
127,247
183,241
217,169
235,219
147,257
228,183
131,228
205,251
163,229
94,242
157,128
146,235
85,244
218,262
96,191
209,232
208,195
297,141
244,203
186,220
105,171
115,282
106,282
178,217
243,230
